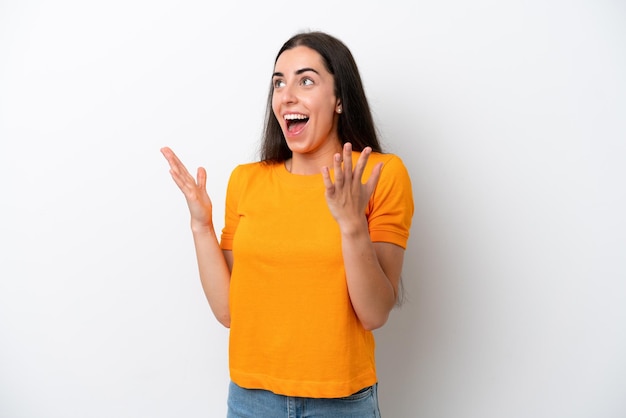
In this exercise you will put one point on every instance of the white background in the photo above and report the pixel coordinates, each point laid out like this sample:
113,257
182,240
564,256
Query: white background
509,115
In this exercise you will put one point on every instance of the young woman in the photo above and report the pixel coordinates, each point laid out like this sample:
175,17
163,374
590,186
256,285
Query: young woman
310,257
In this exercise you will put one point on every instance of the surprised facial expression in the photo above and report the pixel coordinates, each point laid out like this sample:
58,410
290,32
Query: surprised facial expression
304,101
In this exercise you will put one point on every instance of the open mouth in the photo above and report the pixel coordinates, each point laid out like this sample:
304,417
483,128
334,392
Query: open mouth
296,122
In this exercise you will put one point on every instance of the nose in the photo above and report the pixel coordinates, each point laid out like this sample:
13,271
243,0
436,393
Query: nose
288,94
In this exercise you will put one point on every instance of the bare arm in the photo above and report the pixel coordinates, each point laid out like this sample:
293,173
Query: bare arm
372,269
213,264
214,274
373,275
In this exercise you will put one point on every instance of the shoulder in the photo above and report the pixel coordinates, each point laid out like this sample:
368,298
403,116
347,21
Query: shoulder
254,167
249,170
394,177
393,166
247,175
393,159
390,209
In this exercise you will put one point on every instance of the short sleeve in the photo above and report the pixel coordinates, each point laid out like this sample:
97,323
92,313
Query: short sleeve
390,210
231,213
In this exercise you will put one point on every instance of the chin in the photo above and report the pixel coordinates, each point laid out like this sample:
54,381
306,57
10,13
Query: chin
297,145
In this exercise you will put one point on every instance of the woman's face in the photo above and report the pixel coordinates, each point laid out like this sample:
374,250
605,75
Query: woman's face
304,101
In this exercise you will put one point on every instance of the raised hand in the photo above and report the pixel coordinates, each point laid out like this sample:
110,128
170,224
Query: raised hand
200,206
348,196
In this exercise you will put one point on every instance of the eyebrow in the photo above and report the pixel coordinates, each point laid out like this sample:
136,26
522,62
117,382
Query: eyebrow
298,72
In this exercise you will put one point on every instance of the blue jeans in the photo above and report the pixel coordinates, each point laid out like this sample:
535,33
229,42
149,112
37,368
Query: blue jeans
256,403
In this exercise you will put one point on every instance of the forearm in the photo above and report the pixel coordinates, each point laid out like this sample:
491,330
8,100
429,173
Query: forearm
214,273
372,292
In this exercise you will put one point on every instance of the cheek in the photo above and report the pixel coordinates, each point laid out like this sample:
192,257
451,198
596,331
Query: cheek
275,107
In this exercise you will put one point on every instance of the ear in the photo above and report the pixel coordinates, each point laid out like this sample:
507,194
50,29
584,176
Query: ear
338,106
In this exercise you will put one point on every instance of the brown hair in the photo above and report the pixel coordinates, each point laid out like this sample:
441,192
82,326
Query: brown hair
356,124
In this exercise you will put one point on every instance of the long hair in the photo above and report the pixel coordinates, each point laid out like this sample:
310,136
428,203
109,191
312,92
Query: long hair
355,125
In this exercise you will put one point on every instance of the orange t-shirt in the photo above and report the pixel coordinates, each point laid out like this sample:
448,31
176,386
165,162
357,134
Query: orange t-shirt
293,330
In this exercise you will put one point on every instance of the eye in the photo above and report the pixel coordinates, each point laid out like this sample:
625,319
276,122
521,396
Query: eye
279,83
307,82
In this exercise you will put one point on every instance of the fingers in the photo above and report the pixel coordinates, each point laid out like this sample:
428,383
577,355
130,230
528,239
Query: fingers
180,182
347,161
185,182
328,183
201,178
342,166
173,161
343,172
361,163
372,181
168,154
339,175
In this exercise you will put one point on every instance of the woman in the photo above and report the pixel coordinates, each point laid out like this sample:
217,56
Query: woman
310,257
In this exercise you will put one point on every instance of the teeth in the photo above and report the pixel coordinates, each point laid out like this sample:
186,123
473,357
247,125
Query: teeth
295,117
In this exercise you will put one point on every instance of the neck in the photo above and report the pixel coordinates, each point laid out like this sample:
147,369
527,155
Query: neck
307,164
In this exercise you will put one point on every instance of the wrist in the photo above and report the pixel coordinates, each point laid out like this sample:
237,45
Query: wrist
354,228
202,229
